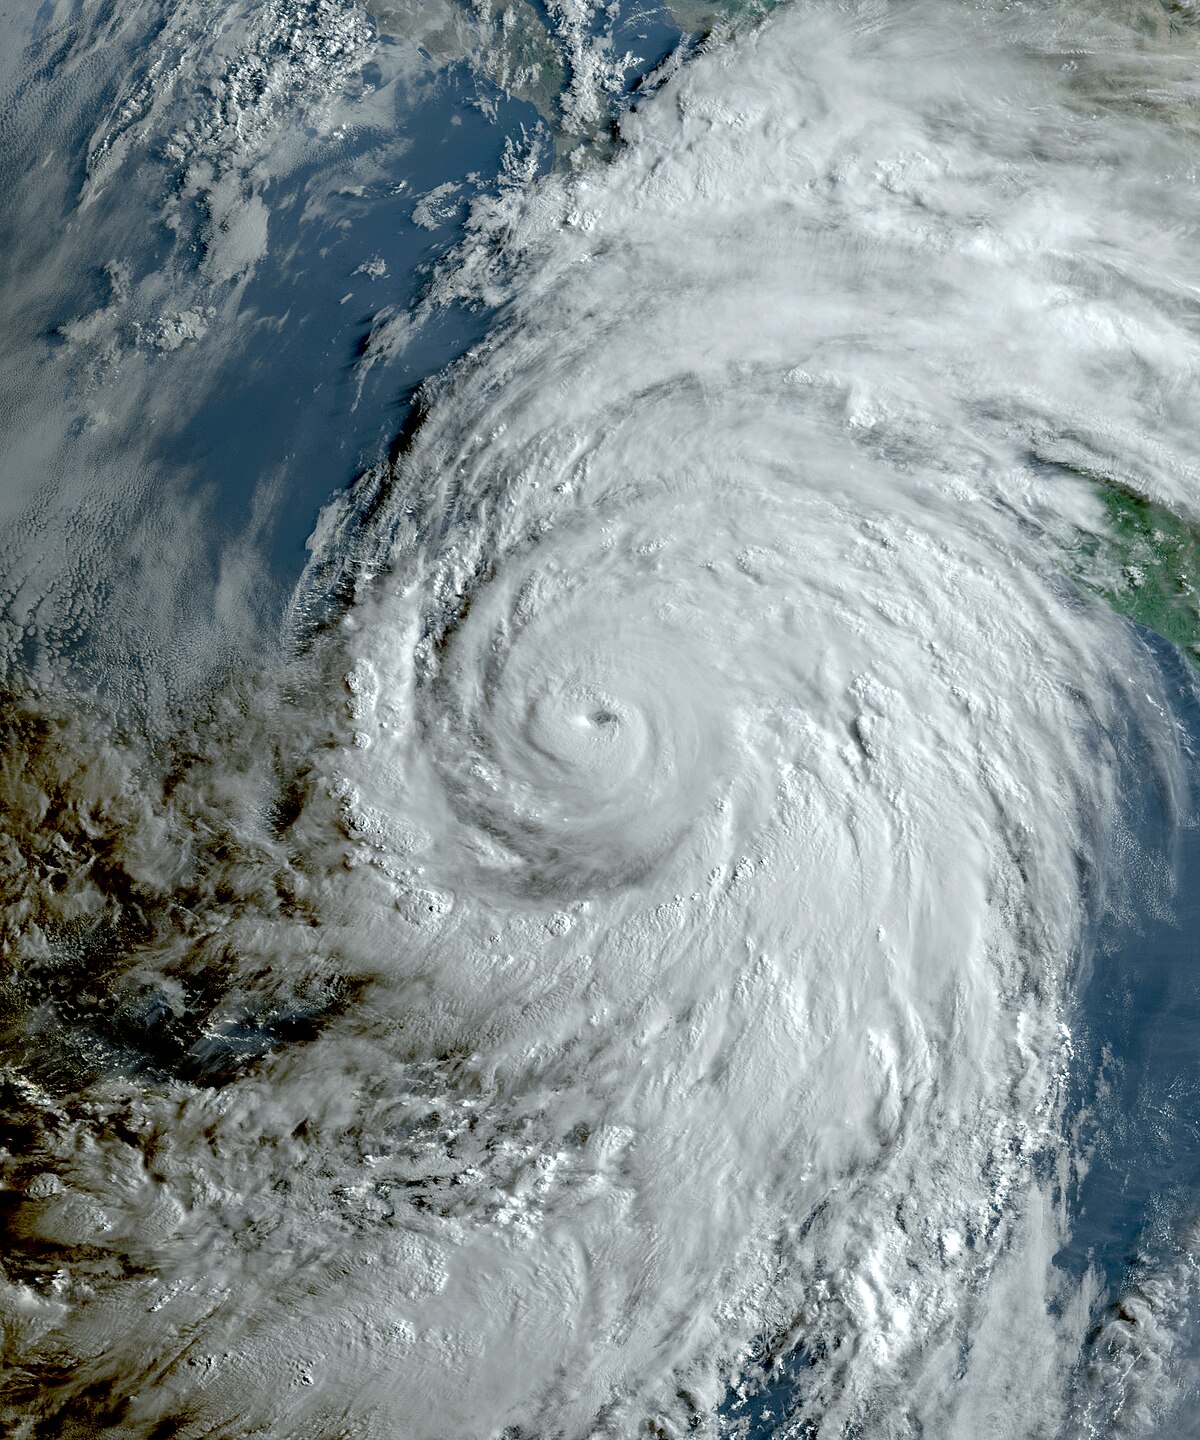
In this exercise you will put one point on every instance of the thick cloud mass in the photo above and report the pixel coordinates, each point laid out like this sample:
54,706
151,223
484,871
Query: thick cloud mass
703,798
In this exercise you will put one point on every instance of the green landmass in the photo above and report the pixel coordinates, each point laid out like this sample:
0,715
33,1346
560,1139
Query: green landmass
1146,566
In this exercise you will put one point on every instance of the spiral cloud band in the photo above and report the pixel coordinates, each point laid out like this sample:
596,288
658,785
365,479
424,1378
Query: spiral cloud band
721,774
725,735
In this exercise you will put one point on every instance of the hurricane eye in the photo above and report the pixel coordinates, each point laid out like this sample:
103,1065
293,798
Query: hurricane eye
609,955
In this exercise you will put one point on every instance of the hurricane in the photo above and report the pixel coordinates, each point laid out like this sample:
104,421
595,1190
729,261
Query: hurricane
612,968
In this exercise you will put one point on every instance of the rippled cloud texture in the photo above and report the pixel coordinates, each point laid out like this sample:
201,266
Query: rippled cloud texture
624,958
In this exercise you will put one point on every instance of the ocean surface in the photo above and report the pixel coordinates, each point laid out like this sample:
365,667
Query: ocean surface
600,804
